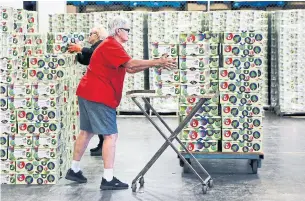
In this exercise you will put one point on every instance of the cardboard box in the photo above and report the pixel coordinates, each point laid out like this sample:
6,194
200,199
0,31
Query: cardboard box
19,153
200,146
248,135
49,102
199,38
240,75
8,178
46,89
209,111
39,179
198,62
243,50
3,153
203,122
241,122
43,166
8,127
39,115
167,89
46,153
165,76
242,147
194,90
16,103
194,76
39,127
200,134
205,49
48,75
242,110
240,98
7,115
158,49
193,100
240,87
245,38
19,90
20,141
50,141
8,167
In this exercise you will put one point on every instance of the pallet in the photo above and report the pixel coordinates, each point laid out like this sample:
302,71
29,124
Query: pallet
165,114
130,114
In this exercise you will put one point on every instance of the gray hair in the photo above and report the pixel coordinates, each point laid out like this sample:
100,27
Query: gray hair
101,31
116,23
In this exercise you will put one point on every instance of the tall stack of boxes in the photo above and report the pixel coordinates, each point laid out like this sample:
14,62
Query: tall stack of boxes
199,66
240,79
163,32
290,60
239,21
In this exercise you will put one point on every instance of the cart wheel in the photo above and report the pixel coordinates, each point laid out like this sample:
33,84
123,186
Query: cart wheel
204,189
254,166
134,187
181,163
141,181
211,183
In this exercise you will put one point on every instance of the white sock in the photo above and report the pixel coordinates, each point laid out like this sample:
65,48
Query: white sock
108,174
75,166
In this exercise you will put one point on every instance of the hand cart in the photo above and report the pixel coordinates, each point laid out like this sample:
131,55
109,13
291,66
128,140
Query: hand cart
145,95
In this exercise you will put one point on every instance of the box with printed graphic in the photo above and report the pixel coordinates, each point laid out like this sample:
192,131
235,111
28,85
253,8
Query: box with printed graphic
4,139
20,141
46,89
204,49
9,178
203,122
242,146
50,61
241,87
244,50
40,153
241,122
210,110
214,86
8,63
8,127
248,135
15,153
19,90
38,115
242,110
46,101
191,101
194,76
22,102
200,146
58,74
43,166
159,49
13,75
3,90
47,141
7,115
3,152
240,75
39,179
8,166
245,38
167,89
197,38
198,62
240,98
166,76
194,90
198,133
39,127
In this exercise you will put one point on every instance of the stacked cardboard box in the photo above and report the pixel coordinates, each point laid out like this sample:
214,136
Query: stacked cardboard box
240,79
36,141
289,48
240,21
163,36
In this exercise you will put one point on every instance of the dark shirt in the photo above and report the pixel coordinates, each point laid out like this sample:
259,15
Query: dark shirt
85,56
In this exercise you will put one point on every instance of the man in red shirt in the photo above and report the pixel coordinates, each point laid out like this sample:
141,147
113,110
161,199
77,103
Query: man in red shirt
99,93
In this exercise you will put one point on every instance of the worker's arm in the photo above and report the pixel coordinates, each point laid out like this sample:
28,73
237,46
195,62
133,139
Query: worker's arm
87,52
134,66
82,59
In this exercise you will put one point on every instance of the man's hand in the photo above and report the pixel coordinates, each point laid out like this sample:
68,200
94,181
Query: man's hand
167,63
74,48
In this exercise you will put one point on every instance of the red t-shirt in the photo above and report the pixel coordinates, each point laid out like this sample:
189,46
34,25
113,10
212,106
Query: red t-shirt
103,81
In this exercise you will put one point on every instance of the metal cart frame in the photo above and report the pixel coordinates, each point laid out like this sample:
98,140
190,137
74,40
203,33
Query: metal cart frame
145,95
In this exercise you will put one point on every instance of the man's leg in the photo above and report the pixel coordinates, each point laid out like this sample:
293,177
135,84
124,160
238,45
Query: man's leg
109,182
80,146
97,151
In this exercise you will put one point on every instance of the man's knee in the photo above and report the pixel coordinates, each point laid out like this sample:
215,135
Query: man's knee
86,134
112,137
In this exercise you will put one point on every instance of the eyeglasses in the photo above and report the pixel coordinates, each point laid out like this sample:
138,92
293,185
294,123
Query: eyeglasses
125,29
92,33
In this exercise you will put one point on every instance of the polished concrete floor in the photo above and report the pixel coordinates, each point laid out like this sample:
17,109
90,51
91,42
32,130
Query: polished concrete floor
281,178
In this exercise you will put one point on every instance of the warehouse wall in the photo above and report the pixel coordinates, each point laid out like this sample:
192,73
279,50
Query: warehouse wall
45,8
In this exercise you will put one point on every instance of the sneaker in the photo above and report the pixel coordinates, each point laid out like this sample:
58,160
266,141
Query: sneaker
96,151
114,184
78,177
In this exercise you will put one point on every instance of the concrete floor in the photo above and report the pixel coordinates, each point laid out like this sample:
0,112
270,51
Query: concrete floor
281,178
